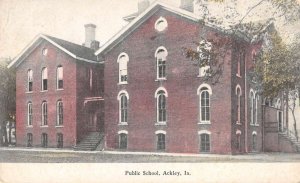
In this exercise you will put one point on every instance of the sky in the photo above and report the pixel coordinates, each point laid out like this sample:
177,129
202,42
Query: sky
22,20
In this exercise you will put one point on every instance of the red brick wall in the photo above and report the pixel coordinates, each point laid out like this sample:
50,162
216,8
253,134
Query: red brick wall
182,84
36,61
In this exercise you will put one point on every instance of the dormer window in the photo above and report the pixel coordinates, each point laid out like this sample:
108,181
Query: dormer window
161,24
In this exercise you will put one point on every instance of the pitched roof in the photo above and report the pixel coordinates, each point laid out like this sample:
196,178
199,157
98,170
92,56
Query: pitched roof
76,51
139,19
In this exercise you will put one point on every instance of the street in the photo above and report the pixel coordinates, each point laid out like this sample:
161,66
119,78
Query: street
19,155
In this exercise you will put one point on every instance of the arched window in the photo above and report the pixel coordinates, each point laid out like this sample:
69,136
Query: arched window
29,114
44,140
161,106
204,50
59,113
44,79
44,114
59,78
60,140
161,140
252,108
30,80
161,58
161,24
238,94
123,59
123,139
123,107
240,61
204,91
29,140
255,100
204,139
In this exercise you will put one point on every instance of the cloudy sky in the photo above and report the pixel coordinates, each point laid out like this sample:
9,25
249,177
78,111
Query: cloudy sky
22,20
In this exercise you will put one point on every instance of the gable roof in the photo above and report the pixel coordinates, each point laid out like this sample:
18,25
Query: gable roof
76,51
139,19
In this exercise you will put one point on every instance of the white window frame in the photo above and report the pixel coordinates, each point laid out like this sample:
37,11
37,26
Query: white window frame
208,46
29,114
59,78
157,95
256,107
158,24
59,120
238,88
254,145
119,136
161,132
252,98
29,80
120,62
164,59
123,93
200,90
44,113
204,132
44,77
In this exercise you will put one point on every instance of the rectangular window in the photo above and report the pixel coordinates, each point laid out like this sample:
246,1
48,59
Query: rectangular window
161,68
29,140
44,140
30,80
29,114
44,79
44,114
161,143
60,140
204,143
59,111
123,141
60,81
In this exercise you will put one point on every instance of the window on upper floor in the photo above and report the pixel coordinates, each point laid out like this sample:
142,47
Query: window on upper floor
205,50
252,107
59,78
59,113
161,106
240,61
204,92
44,79
161,58
44,114
123,107
123,60
29,80
238,105
161,24
29,114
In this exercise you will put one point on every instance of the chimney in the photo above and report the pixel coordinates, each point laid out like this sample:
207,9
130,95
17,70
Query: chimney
143,5
187,5
89,34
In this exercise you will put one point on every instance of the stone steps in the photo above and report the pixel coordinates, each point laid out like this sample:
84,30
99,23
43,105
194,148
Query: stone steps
90,142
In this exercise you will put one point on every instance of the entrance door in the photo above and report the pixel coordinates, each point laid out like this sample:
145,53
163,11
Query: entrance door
92,121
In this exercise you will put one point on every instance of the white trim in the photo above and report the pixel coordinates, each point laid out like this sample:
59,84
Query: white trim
123,132
202,86
159,20
161,48
159,89
254,133
121,54
238,86
121,92
238,132
160,132
204,132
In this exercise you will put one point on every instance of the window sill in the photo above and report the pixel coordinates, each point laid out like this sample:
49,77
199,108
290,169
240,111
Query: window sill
239,76
204,123
42,91
29,126
44,126
59,126
124,83
161,79
29,92
251,124
160,123
123,124
238,123
60,89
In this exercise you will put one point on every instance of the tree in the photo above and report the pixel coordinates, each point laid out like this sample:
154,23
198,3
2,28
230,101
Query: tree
7,92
